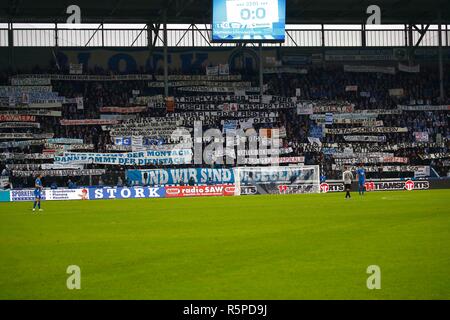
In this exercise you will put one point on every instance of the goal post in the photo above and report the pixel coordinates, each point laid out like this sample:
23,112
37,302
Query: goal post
277,180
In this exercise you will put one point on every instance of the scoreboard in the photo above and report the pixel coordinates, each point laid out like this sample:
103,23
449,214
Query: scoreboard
248,20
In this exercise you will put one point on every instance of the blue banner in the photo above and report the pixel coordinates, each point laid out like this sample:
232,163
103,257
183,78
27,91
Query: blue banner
122,141
316,131
328,118
4,196
126,141
329,151
126,193
229,125
161,177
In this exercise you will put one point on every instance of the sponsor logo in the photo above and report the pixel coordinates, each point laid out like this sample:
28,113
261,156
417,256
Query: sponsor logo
337,187
324,187
245,190
190,191
397,185
380,186
25,195
389,185
369,186
230,189
409,185
84,194
292,188
126,193
172,191
67,194
331,187
421,185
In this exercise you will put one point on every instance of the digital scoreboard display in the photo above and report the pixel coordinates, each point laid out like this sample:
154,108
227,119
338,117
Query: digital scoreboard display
248,20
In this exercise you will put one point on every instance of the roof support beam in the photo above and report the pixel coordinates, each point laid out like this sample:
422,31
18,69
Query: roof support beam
207,40
100,26
10,45
422,33
184,34
137,37
151,42
166,62
290,37
441,65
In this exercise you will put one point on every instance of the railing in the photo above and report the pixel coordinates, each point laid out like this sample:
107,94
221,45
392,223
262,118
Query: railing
3,37
200,37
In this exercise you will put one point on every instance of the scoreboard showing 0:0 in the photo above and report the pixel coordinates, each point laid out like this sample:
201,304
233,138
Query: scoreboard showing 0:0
249,20
247,14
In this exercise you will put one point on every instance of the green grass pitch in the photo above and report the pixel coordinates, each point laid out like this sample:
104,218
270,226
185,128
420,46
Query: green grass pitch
314,246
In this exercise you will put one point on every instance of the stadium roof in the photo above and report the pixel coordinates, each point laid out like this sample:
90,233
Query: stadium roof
199,11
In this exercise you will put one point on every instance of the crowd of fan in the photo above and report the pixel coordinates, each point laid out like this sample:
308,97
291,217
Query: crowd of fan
320,83
330,84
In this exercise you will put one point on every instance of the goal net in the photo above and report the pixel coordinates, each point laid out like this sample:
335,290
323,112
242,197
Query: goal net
277,180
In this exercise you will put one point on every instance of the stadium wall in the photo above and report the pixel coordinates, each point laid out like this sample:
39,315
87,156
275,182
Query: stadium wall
111,193
132,60
389,185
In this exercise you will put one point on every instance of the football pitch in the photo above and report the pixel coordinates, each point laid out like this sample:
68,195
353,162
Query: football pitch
316,246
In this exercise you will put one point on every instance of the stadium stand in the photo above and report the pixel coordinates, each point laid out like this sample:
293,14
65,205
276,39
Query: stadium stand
340,96
224,149
344,94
